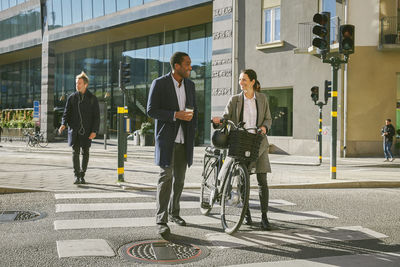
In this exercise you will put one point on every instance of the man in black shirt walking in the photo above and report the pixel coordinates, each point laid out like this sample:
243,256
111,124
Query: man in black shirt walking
82,115
388,132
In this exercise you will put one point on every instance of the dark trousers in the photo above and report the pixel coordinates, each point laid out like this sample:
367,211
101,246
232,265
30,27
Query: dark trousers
170,185
263,191
76,150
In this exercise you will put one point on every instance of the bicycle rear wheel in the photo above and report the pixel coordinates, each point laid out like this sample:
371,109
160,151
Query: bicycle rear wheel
235,198
42,141
208,184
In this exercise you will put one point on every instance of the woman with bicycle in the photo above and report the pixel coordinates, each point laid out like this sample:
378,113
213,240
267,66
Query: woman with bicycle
251,107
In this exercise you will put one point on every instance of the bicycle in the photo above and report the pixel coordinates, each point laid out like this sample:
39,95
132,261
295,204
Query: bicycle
226,180
36,139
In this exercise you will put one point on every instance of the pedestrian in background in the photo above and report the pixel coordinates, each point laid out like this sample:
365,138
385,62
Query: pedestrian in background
251,106
82,116
172,104
388,132
1,131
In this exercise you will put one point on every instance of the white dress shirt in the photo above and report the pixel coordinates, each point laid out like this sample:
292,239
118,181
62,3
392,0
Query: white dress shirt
180,93
250,113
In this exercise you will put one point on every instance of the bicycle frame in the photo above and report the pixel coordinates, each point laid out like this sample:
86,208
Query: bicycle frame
222,179
219,161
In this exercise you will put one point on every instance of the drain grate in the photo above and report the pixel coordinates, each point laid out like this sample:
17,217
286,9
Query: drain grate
162,252
18,216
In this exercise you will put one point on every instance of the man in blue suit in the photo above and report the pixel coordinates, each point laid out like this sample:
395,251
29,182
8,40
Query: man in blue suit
172,103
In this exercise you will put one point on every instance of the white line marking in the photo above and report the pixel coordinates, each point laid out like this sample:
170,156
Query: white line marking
103,195
365,260
195,220
292,236
84,247
143,206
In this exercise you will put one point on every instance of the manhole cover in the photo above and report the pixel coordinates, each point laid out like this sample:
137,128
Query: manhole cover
163,252
18,216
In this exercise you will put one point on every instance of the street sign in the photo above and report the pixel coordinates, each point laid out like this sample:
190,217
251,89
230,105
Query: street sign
36,111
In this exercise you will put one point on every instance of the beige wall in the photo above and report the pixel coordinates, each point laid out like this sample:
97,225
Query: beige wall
388,8
364,15
372,93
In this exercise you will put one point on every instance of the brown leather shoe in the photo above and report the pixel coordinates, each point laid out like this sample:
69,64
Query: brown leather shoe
163,230
178,220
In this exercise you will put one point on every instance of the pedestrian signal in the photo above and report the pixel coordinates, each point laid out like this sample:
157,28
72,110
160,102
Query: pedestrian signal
346,39
315,93
322,32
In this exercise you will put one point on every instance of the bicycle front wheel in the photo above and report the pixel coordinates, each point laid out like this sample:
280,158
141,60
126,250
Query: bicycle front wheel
208,185
235,198
30,142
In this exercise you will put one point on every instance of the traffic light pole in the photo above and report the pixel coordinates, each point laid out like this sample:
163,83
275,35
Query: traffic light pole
121,134
320,105
335,63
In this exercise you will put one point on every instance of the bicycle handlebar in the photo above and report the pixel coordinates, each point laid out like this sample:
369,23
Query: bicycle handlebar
240,125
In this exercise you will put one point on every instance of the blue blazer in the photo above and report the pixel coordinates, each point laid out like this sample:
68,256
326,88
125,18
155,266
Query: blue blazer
161,105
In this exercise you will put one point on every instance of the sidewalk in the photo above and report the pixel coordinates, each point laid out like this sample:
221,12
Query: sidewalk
50,169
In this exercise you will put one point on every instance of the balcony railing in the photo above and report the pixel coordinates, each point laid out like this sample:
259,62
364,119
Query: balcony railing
390,31
305,35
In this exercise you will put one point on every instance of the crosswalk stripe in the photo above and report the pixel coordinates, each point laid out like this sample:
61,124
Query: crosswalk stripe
125,222
103,195
292,236
84,247
118,206
144,205
195,220
387,259
272,202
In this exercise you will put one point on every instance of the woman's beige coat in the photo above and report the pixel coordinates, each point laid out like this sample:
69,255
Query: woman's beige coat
232,112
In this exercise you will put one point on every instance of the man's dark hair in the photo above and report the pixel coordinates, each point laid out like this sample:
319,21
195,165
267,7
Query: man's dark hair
177,58
389,120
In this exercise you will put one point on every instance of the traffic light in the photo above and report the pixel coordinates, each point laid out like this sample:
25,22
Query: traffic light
322,40
346,39
124,75
328,90
315,93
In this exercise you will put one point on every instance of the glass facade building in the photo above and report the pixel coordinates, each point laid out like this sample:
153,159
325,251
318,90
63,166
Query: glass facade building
149,58
67,12
148,53
6,4
20,84
24,22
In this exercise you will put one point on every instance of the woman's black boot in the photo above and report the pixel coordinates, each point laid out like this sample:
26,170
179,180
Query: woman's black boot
247,217
265,225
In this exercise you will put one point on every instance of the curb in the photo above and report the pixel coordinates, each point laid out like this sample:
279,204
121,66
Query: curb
329,185
340,185
10,190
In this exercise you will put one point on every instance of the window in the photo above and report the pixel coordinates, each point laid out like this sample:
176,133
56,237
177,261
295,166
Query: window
66,12
281,106
98,8
122,4
87,10
330,6
109,6
77,11
272,25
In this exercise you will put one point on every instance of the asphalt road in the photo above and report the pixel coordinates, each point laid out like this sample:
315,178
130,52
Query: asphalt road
375,212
